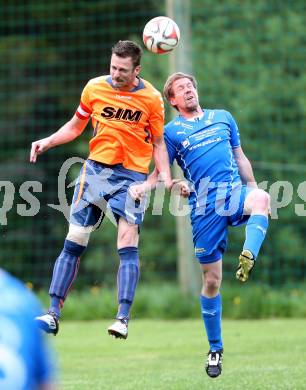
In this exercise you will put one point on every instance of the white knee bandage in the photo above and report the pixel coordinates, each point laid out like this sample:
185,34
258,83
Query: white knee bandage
79,234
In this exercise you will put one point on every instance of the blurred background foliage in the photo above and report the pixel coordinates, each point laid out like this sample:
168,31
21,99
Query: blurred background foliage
249,57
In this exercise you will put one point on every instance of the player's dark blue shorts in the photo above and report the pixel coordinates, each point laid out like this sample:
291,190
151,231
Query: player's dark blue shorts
210,224
103,190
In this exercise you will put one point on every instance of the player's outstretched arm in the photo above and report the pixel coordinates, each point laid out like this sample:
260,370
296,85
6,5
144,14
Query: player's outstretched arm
182,187
244,167
137,191
161,159
65,134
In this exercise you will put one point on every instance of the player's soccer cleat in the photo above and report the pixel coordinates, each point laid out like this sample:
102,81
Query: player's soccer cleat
48,323
246,264
213,365
119,328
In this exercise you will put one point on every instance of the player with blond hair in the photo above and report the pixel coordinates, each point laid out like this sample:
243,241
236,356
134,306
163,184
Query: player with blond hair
223,192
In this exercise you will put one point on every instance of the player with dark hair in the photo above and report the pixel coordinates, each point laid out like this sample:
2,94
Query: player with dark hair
206,145
127,114
26,360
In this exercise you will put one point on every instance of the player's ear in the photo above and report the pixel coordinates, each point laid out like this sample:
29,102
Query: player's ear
172,101
137,69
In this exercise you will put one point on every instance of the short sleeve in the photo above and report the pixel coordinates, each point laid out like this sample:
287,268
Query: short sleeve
170,148
157,117
235,135
84,110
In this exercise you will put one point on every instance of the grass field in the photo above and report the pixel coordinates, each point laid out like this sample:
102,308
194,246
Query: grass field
264,354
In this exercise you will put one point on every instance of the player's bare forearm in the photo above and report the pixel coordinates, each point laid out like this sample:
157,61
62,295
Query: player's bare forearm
65,134
137,191
161,159
247,176
152,179
245,168
246,173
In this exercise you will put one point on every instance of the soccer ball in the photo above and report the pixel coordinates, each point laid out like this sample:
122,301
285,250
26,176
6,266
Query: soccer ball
161,35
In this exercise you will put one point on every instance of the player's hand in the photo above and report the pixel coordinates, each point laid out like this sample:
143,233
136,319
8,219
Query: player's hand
181,186
38,147
137,191
169,184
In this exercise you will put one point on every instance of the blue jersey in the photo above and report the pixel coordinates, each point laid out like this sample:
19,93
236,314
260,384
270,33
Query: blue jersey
204,150
25,362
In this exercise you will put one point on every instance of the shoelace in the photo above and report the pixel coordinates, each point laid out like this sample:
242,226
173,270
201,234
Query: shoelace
124,320
213,356
53,315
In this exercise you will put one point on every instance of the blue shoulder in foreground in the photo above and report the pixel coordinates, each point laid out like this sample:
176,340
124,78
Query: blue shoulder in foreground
25,359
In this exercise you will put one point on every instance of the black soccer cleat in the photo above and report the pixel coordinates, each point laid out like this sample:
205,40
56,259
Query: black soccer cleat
213,365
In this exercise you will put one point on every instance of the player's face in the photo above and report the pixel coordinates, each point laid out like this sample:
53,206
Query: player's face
123,72
185,95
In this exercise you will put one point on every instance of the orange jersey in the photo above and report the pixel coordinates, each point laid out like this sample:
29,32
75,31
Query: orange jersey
123,122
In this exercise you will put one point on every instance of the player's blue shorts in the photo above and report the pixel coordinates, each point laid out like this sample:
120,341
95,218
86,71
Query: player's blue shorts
103,189
210,225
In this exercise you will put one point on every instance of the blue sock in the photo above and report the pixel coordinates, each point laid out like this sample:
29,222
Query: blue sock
128,275
64,273
124,309
211,314
55,305
255,233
